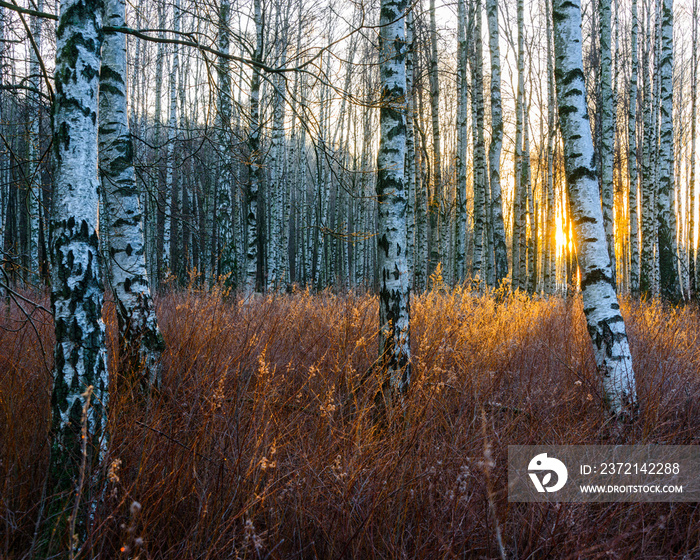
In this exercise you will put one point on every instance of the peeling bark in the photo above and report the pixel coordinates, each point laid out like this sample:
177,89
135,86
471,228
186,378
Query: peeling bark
77,290
394,304
140,341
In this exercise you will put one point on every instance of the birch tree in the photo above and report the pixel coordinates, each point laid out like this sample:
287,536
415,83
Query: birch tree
169,228
519,244
648,186
80,368
394,305
140,341
668,265
496,210
436,203
222,242
480,163
632,157
33,192
256,168
461,155
607,132
605,324
693,268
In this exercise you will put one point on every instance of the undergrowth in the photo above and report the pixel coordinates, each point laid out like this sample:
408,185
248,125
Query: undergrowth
262,442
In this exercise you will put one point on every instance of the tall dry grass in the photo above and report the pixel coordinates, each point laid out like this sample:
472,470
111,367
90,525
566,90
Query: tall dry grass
262,442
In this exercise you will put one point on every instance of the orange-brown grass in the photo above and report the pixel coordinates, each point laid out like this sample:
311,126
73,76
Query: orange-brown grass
263,442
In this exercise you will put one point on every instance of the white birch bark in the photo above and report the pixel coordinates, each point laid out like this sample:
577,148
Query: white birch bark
461,156
693,267
410,165
496,211
480,163
436,202
277,247
632,157
157,207
256,169
394,304
221,240
648,187
528,272
550,257
170,165
519,250
668,263
140,341
607,132
4,156
77,290
605,324
34,186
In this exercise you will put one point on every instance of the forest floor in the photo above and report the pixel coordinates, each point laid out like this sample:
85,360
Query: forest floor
263,442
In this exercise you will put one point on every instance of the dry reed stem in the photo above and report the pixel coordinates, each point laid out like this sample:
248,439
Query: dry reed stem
261,444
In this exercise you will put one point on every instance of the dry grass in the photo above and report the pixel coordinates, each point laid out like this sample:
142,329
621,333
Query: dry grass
262,443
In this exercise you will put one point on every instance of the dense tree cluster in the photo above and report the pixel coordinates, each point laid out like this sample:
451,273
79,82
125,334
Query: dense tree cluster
255,131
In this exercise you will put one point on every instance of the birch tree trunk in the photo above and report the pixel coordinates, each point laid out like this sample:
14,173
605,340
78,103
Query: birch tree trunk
219,237
499,233
528,271
394,304
170,204
140,341
632,158
550,260
278,272
480,162
410,165
668,265
605,324
34,187
607,132
256,169
693,143
519,249
436,204
80,367
461,156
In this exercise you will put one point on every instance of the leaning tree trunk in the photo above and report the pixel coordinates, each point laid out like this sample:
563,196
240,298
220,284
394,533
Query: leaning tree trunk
668,265
80,367
605,324
394,305
140,341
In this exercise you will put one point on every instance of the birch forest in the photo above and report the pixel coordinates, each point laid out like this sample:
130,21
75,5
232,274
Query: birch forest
256,131
285,278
